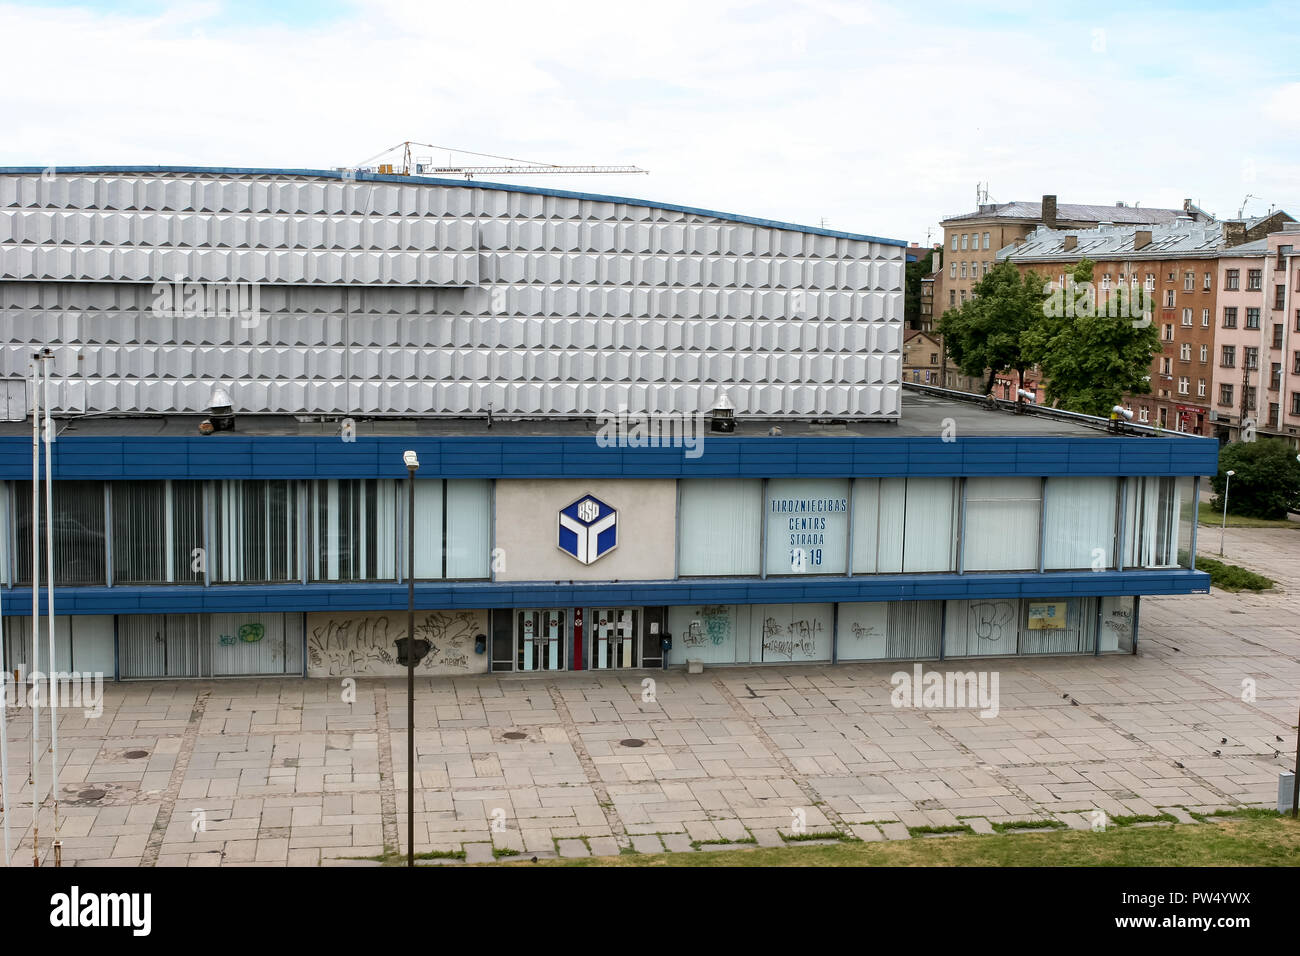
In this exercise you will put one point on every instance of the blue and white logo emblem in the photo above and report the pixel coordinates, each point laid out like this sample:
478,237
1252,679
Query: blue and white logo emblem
588,529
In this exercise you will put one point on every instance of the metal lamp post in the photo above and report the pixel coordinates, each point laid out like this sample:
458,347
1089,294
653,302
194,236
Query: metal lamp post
1224,527
412,466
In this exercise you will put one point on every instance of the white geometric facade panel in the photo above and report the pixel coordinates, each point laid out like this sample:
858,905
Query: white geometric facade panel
306,293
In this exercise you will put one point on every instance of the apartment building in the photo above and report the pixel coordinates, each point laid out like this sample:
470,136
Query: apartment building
922,357
1280,346
1177,265
1239,333
971,240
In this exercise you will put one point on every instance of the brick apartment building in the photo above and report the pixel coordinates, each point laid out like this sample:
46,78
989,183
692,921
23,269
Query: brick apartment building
971,240
1177,265
1221,305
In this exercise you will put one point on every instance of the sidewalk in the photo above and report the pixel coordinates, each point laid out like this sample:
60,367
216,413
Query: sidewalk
282,771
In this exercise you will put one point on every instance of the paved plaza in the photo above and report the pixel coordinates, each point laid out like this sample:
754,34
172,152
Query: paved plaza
283,771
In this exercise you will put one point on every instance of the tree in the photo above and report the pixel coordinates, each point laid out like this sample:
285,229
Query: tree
1092,350
916,271
983,336
1267,479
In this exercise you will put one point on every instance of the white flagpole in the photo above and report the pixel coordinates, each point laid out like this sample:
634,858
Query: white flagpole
53,702
36,598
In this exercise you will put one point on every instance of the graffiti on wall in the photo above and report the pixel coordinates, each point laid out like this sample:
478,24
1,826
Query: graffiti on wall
710,628
992,621
790,639
343,646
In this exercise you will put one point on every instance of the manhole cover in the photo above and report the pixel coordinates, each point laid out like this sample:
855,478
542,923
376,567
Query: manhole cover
135,754
91,795
631,742
514,735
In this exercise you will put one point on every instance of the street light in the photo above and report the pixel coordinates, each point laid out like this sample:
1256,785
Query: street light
412,463
1224,527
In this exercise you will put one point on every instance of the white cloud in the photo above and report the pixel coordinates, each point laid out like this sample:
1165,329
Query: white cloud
880,118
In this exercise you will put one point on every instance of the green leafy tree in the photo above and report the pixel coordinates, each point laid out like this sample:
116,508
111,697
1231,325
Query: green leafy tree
916,271
1267,479
983,336
1092,349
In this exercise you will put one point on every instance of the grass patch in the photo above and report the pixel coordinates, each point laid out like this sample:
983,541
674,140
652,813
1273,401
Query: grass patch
954,828
1128,821
1230,577
696,844
1237,813
398,857
1029,825
502,851
1208,515
805,837
1248,840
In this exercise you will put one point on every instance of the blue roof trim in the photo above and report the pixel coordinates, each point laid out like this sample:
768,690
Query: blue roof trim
181,599
233,456
472,183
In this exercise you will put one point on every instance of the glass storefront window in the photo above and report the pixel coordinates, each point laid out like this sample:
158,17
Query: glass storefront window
256,531
1156,532
453,528
78,526
807,526
1079,518
1001,530
157,526
719,527
353,530
904,524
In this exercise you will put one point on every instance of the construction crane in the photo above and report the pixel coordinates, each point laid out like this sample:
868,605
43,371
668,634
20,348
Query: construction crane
1242,210
425,166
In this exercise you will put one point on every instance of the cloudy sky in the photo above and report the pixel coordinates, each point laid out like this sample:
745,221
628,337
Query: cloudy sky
874,117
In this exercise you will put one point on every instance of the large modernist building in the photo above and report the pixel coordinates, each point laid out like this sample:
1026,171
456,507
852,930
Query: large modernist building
512,337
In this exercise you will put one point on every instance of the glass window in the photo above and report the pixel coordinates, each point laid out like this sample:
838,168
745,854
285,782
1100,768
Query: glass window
1117,622
78,526
453,534
1001,531
1079,523
4,533
1152,521
986,240
807,525
720,527
256,530
469,528
885,508
157,525
353,530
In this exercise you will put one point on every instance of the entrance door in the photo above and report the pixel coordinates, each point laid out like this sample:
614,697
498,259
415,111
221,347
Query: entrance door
540,639
616,636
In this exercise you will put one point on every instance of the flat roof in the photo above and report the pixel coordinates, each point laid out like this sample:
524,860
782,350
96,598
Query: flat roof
925,414
357,176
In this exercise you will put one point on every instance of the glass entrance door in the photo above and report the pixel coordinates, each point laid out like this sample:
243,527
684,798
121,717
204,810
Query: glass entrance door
615,637
541,638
